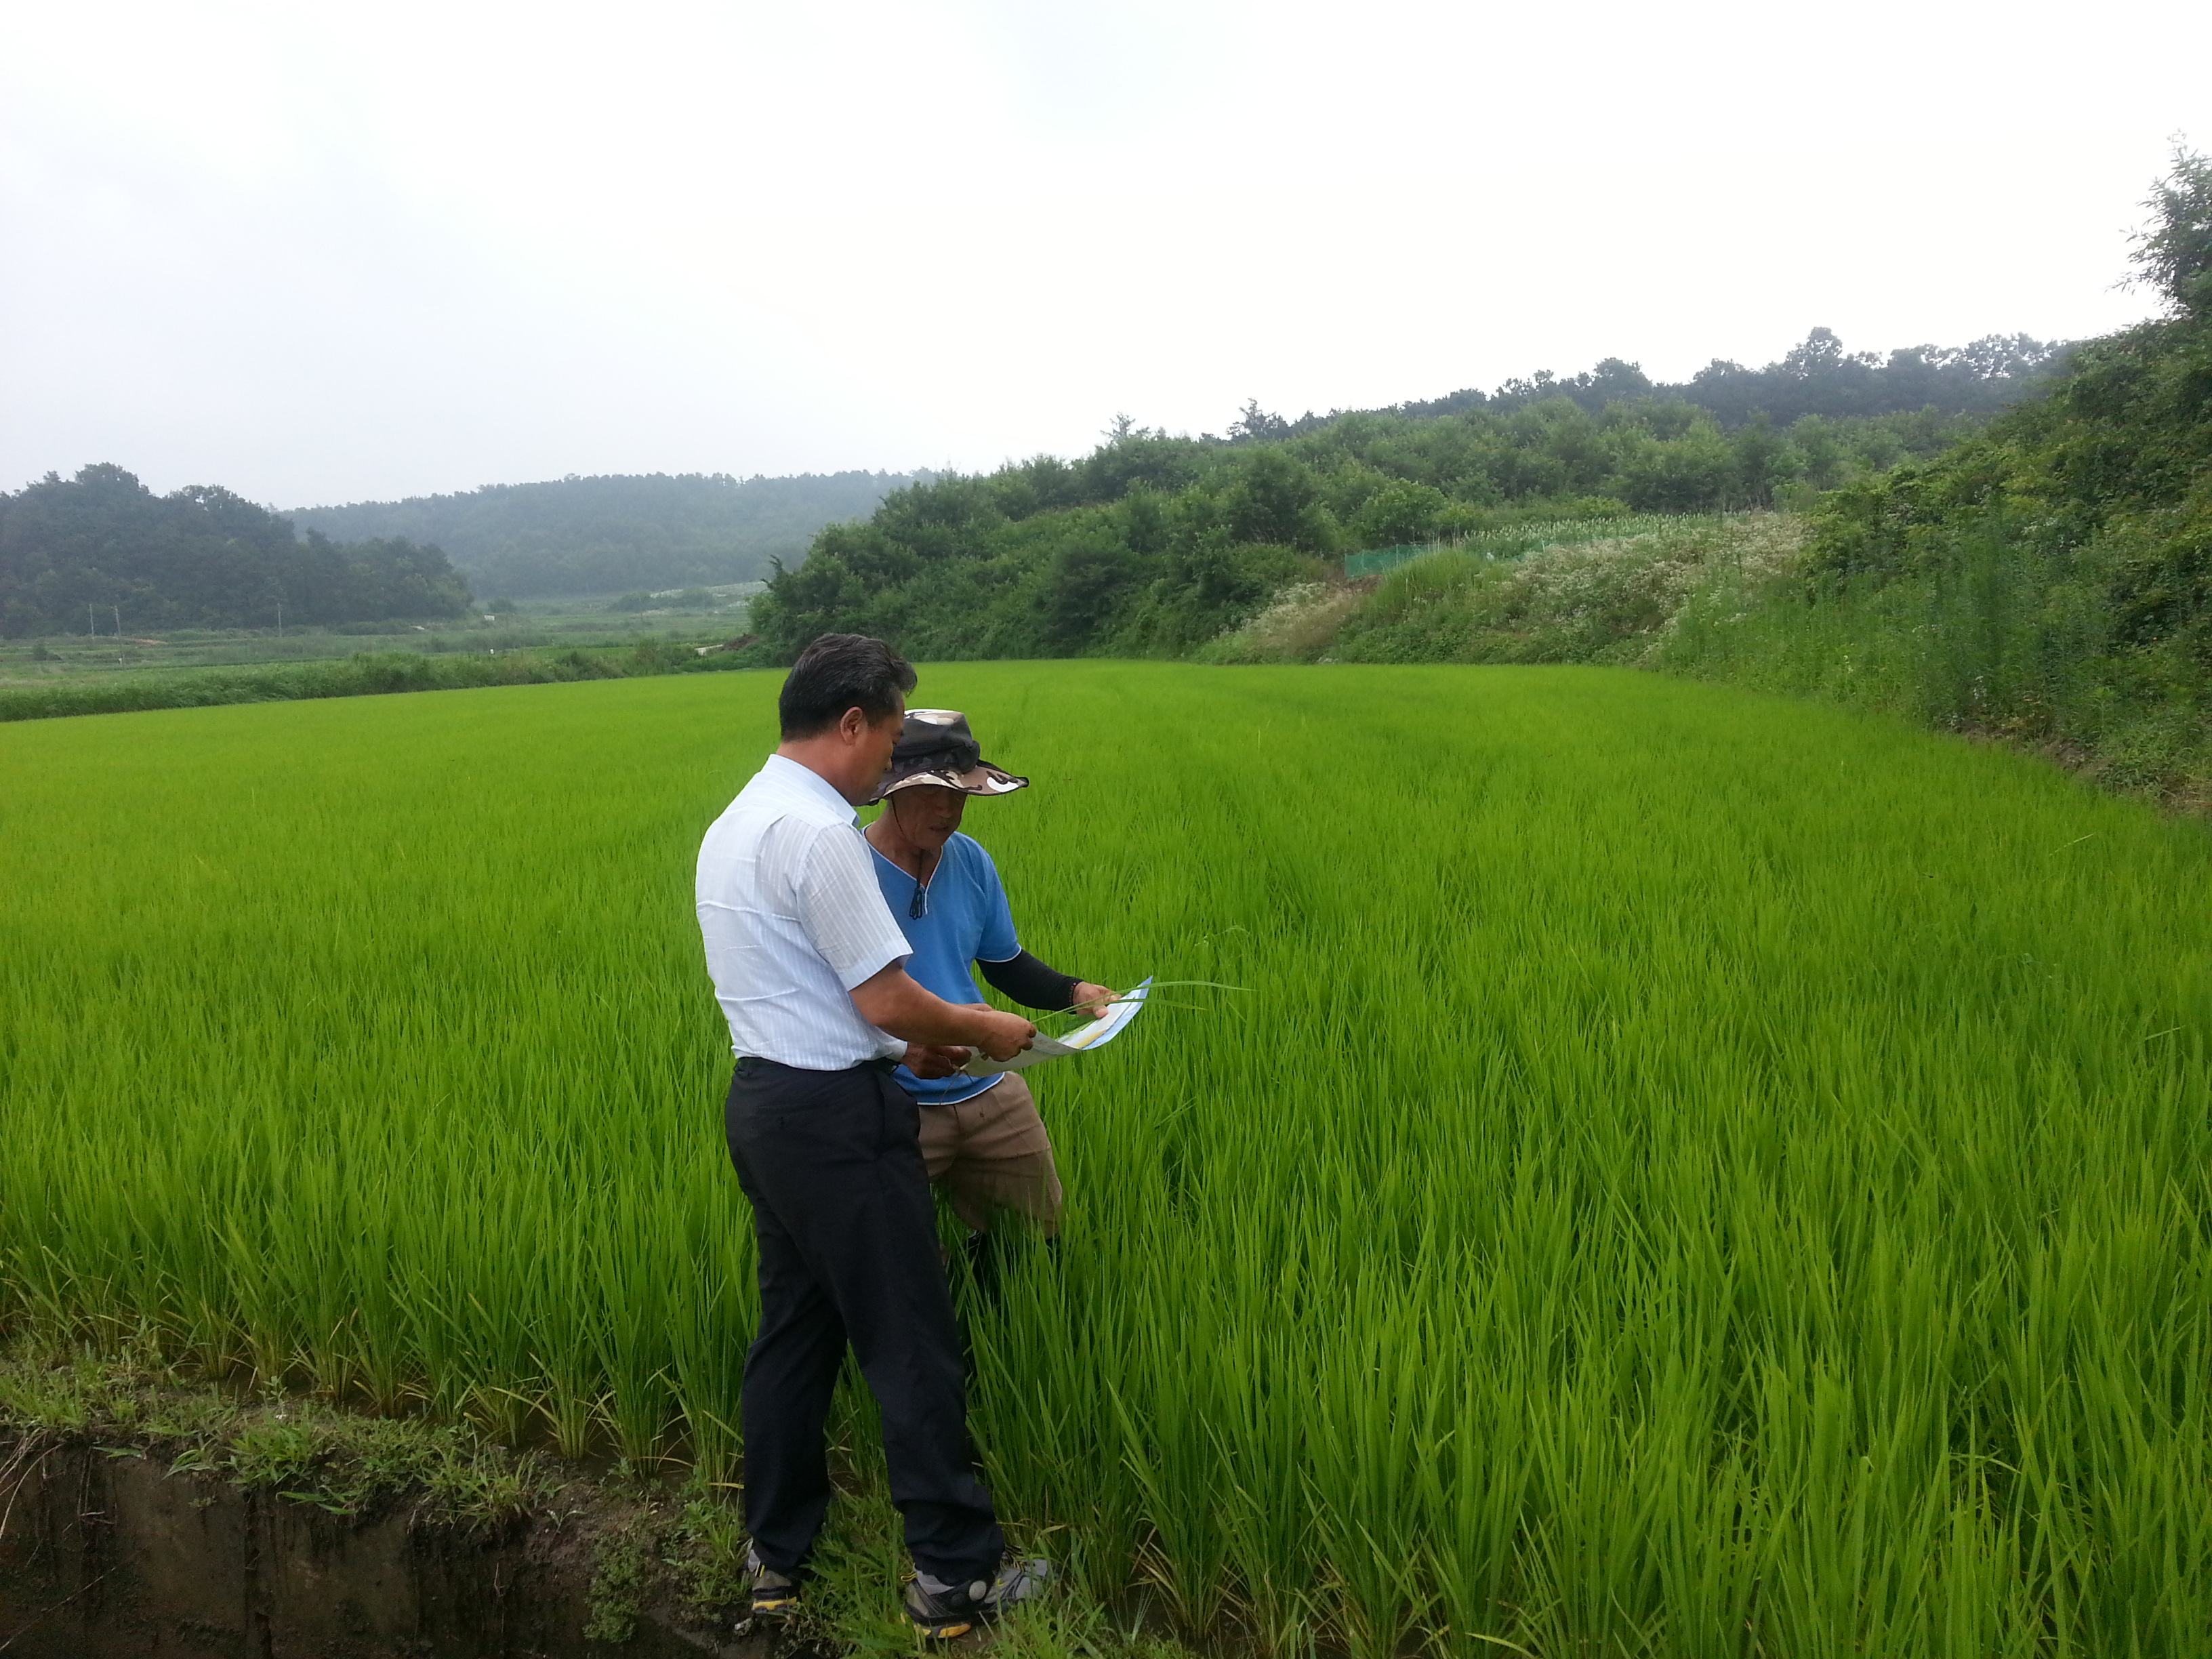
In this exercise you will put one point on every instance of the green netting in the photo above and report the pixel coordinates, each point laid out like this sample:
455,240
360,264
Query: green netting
1377,559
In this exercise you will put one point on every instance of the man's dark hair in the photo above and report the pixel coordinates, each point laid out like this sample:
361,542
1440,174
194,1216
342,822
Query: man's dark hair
840,671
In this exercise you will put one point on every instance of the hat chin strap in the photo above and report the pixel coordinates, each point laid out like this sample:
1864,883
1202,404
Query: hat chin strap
921,853
906,834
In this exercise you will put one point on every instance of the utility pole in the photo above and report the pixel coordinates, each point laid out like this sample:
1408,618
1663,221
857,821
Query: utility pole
280,619
118,609
89,630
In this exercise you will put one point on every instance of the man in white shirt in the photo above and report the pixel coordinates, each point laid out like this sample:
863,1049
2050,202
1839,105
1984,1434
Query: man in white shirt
809,968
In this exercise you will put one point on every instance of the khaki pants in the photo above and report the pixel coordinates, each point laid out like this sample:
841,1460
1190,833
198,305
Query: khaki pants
990,1152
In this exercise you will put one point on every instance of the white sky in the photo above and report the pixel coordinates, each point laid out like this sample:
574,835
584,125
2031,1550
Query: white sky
324,253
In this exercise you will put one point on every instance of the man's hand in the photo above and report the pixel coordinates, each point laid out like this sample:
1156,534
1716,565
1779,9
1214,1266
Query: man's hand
935,1060
1003,1036
1091,1000
891,1001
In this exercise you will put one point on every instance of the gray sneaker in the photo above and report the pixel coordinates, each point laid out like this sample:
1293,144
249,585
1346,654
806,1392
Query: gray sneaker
774,1593
942,1611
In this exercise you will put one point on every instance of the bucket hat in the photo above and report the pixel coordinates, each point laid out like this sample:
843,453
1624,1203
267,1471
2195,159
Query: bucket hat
936,747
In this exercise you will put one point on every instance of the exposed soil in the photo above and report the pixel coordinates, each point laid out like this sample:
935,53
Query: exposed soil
107,1555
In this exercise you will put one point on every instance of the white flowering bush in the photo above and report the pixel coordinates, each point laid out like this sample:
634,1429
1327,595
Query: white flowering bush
1601,601
1297,626
1619,599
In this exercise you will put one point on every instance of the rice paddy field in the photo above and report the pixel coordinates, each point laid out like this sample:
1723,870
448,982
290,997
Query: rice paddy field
1691,1173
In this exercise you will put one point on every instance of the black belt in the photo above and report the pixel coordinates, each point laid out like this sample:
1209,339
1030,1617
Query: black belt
886,1066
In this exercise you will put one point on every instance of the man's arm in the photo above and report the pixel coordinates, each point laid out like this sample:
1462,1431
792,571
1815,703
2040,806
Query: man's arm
1022,978
891,1001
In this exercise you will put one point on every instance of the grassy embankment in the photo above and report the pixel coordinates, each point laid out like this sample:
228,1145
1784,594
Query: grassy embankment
1986,647
1692,1173
541,641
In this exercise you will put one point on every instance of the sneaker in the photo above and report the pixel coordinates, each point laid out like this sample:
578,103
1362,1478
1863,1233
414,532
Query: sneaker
942,1611
774,1593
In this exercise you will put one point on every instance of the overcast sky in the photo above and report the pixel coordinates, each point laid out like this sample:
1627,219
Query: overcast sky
336,252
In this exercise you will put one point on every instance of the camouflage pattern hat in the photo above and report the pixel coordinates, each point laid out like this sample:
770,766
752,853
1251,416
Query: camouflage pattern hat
936,747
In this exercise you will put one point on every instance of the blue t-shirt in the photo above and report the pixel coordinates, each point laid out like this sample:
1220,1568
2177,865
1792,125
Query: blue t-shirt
968,921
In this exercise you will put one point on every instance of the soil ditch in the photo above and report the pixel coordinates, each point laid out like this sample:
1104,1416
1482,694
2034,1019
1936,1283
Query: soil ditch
105,1555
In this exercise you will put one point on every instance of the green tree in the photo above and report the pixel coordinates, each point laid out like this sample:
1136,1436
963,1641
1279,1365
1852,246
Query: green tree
1273,498
1687,474
2173,252
1401,511
1764,459
1086,584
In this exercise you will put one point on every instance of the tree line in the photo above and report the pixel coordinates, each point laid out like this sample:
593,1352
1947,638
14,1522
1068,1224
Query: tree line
101,552
1815,377
1152,542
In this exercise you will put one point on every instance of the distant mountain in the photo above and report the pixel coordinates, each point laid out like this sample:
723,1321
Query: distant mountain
618,533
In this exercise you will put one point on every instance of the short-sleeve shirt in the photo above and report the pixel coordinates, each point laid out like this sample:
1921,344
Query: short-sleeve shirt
968,921
793,922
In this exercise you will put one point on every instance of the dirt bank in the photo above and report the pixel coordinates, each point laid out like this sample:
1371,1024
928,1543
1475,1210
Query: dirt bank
103,1554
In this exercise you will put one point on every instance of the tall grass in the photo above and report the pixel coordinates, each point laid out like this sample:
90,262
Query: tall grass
1695,1173
1999,635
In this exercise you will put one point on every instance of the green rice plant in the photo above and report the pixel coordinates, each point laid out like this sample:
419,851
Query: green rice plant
1690,1173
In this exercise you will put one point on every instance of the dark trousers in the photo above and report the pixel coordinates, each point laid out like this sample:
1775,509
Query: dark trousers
847,1238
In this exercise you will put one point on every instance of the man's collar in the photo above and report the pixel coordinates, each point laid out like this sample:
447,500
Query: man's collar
794,774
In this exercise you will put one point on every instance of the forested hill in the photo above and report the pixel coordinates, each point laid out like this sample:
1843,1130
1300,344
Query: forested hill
102,552
1152,544
601,535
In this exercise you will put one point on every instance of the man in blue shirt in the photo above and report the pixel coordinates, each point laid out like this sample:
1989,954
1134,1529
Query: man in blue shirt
981,1139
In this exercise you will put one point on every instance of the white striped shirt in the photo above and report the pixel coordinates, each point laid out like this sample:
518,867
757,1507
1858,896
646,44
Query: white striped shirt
793,921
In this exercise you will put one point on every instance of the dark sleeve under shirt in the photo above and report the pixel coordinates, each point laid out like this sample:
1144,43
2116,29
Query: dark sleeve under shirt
1023,979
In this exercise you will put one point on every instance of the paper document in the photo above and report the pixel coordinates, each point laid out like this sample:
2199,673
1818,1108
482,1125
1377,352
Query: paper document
1097,1034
